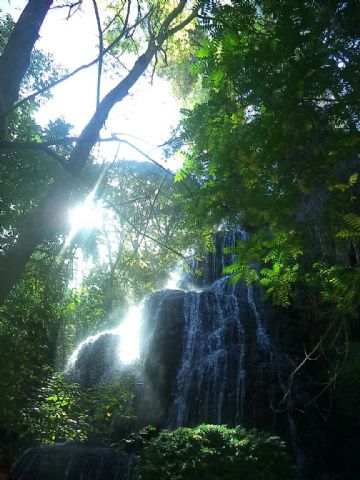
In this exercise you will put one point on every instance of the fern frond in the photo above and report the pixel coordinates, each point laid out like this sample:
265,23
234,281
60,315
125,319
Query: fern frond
353,221
353,178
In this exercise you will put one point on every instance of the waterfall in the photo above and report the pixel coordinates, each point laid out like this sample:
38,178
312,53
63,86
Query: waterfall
261,335
184,377
213,354
210,353
233,367
211,380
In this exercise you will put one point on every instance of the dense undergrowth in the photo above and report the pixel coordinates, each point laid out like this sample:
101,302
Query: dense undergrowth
213,452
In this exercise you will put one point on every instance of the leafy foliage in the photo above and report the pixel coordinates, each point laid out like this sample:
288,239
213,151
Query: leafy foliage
30,325
273,145
213,452
58,413
62,411
147,226
280,271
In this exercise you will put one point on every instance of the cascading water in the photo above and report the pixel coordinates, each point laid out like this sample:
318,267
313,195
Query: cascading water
213,354
211,380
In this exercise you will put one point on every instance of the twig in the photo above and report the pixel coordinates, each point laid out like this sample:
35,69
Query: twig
310,357
30,97
158,242
333,379
71,6
118,15
101,50
169,172
152,206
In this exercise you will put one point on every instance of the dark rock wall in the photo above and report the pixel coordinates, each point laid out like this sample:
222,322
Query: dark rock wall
70,462
162,345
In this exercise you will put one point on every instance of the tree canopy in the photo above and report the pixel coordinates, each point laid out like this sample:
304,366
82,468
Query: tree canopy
274,145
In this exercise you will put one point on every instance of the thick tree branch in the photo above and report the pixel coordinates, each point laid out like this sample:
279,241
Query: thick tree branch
91,132
181,25
171,17
15,59
44,146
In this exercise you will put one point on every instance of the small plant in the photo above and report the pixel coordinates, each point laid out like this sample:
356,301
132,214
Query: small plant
213,452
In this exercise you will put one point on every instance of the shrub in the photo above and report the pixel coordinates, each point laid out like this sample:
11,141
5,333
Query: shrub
213,452
63,411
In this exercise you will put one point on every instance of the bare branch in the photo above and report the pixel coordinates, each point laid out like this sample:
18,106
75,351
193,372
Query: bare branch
155,163
43,146
331,381
158,242
318,350
152,206
145,155
71,7
118,15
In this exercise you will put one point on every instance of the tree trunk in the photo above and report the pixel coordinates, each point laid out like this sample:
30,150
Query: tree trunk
46,220
15,59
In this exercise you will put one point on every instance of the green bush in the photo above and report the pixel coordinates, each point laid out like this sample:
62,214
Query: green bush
213,452
63,411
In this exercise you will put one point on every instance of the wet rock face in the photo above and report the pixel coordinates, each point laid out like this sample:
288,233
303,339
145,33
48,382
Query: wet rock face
163,327
210,268
97,362
69,462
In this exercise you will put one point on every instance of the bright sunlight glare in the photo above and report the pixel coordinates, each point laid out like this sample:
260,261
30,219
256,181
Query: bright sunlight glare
175,278
129,330
129,338
88,215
